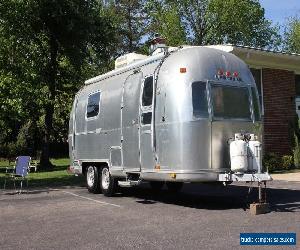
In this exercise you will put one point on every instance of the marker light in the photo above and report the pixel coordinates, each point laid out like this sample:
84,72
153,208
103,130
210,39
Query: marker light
173,175
220,72
235,74
228,74
182,70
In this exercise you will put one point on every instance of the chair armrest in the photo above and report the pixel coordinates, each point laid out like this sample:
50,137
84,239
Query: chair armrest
10,170
32,167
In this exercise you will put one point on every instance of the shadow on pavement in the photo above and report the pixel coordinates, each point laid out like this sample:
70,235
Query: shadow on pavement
284,200
205,196
37,186
198,196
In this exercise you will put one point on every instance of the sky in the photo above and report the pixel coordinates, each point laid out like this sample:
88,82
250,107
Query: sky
278,10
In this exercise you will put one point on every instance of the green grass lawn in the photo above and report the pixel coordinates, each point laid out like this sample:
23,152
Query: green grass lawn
56,177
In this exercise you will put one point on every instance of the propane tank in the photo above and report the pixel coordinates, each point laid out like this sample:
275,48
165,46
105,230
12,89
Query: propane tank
238,155
255,156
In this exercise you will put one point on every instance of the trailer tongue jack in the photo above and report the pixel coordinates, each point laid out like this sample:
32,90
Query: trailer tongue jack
260,207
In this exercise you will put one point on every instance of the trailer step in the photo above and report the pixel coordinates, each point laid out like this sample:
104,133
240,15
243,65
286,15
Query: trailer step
129,183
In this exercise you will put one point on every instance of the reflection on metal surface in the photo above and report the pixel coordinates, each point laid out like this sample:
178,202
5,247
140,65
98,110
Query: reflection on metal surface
167,112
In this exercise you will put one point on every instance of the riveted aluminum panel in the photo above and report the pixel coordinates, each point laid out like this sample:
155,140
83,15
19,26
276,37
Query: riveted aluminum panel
177,140
130,122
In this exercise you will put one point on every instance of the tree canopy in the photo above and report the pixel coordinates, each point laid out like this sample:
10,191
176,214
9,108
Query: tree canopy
49,47
202,22
239,22
292,35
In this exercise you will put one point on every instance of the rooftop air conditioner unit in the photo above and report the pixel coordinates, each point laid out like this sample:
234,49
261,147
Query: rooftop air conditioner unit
127,59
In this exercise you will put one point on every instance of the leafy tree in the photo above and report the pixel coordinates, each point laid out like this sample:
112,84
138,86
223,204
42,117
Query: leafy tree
164,19
193,18
49,47
129,17
239,22
292,35
218,21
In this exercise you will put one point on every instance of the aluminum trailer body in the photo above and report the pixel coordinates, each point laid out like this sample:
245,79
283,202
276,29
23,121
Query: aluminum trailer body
168,118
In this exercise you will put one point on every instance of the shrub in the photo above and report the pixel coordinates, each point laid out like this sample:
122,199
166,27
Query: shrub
272,162
9,150
296,153
287,162
12,150
22,145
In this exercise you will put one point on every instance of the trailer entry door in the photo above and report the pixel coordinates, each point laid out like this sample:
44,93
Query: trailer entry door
130,123
146,110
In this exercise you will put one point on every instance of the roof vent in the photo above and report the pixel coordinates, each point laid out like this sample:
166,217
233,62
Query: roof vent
127,59
158,45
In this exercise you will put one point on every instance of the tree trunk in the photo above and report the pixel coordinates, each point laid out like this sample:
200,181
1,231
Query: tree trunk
45,156
49,107
130,34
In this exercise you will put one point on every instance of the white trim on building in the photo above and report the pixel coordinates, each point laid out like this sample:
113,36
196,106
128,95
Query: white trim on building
261,58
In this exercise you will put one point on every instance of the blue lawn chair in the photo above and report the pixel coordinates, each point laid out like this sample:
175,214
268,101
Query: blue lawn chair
19,171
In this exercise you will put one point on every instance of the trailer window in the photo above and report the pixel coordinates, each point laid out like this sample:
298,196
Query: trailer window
199,98
147,91
230,102
255,105
147,96
92,108
146,118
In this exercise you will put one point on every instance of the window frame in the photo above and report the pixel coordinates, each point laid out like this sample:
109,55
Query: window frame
207,100
245,86
149,108
87,102
144,113
261,89
254,88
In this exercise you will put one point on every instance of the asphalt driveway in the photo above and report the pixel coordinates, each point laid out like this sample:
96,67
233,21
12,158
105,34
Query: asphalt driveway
201,217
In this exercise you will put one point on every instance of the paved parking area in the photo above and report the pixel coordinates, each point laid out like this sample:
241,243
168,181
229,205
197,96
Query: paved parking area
201,217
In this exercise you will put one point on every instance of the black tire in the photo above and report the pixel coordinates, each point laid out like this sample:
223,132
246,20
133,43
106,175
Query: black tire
92,179
156,185
108,184
174,187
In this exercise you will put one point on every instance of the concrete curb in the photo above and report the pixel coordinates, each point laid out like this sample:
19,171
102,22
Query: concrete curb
294,177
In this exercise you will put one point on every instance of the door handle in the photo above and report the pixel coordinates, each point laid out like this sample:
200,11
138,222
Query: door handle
134,121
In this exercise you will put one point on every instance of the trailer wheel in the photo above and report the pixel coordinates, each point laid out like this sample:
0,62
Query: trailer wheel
174,187
108,184
92,180
156,185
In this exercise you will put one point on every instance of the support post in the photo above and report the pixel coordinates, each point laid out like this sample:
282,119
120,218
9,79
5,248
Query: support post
260,207
259,193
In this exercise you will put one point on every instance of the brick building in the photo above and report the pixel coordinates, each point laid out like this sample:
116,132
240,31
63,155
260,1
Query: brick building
277,76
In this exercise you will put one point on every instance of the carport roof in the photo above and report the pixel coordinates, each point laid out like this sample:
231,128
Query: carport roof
261,58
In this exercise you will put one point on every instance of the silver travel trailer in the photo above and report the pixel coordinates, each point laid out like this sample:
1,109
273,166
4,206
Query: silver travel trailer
187,114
